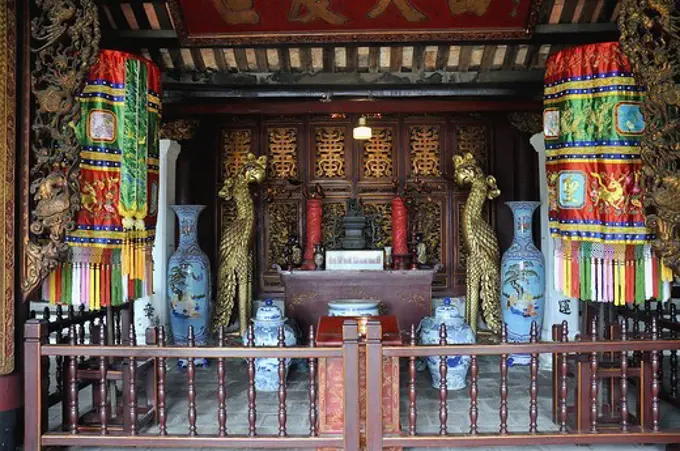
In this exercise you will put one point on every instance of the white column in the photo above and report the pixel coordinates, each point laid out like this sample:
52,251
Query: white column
163,245
558,307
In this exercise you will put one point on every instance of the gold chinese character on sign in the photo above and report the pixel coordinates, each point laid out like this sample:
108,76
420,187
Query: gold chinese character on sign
330,152
306,11
424,143
235,148
378,154
235,12
410,12
282,153
477,7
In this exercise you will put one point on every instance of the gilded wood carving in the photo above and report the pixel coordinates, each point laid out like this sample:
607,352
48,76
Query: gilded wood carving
65,36
428,221
282,152
234,276
179,130
650,39
236,144
472,138
331,228
330,152
482,272
424,145
8,43
383,215
281,225
378,154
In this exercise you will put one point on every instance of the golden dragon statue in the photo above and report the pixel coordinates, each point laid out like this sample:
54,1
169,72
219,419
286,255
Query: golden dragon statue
235,271
483,273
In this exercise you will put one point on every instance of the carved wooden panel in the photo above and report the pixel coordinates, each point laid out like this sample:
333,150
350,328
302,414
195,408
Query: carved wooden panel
383,221
332,214
282,222
377,154
282,150
236,143
330,152
424,148
428,221
473,138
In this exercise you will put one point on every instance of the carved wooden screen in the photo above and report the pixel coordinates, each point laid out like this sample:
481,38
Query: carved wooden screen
307,150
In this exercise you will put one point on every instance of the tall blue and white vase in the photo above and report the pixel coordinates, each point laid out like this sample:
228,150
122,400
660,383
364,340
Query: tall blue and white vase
522,280
189,283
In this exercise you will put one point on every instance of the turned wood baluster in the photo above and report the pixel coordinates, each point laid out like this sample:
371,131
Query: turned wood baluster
624,378
103,385
533,384
132,385
81,328
162,369
313,431
221,388
46,318
118,331
443,410
474,390
283,415
660,317
72,383
412,412
252,413
91,328
674,354
655,379
563,379
637,355
648,317
191,376
503,411
59,376
593,379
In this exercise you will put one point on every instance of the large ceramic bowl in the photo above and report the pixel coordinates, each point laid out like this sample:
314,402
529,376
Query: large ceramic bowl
353,307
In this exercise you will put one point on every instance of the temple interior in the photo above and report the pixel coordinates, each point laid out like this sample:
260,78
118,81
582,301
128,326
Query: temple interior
330,224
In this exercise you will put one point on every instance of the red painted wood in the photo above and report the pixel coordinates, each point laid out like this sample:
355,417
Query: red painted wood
593,380
655,378
563,379
132,386
103,385
533,381
474,392
72,384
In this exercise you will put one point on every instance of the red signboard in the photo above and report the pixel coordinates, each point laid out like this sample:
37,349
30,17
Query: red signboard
243,22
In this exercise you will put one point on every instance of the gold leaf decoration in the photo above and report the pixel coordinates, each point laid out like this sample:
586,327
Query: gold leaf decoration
235,147
282,150
378,154
282,222
330,152
424,145
330,211
384,223
428,217
473,139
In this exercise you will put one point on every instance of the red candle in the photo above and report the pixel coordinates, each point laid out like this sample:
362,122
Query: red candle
399,227
313,231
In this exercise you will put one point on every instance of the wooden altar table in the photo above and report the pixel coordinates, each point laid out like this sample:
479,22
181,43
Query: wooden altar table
407,294
331,400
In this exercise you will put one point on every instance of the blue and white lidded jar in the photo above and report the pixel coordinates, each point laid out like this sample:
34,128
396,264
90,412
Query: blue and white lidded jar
268,319
457,332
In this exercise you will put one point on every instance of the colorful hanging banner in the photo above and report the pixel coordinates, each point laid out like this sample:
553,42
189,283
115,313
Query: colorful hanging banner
592,126
119,131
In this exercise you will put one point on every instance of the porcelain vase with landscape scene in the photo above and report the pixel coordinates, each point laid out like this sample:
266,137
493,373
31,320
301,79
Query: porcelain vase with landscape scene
189,283
522,280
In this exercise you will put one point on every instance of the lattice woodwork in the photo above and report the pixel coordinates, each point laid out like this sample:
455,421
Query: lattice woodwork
282,150
384,223
378,154
424,145
428,221
473,139
330,211
235,147
282,222
330,152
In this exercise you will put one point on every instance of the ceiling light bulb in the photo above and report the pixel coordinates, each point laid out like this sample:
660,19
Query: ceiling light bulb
362,131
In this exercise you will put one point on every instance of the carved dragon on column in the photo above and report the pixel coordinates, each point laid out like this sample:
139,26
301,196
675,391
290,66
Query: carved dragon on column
651,40
65,44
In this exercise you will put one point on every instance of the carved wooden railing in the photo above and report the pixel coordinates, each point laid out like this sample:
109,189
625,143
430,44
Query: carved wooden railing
37,351
57,324
567,430
667,317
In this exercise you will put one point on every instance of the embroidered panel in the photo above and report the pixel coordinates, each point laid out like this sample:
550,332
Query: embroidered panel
377,161
330,152
235,147
424,145
282,222
473,139
282,149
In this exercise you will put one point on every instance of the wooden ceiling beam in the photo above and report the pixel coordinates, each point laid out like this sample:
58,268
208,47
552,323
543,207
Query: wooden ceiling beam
564,33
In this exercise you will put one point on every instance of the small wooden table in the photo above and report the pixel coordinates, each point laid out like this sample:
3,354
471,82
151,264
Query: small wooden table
331,392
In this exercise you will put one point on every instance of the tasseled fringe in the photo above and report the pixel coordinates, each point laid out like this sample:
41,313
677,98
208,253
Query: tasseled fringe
99,278
616,273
